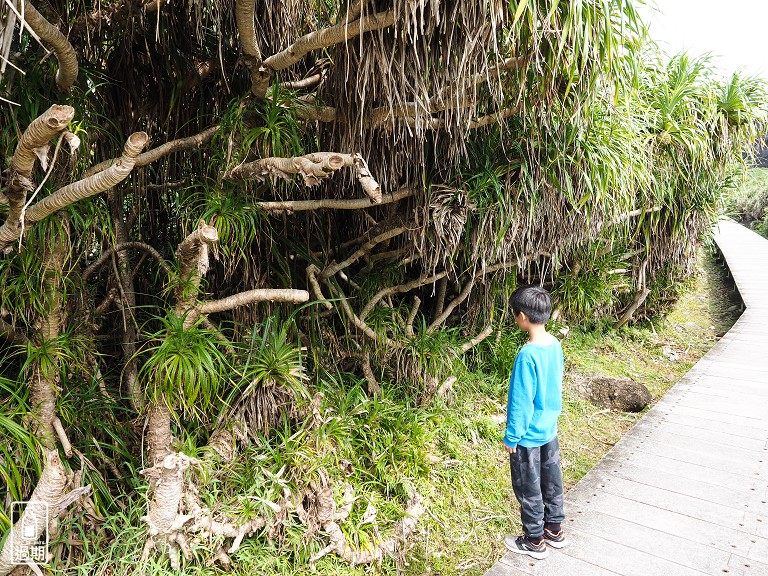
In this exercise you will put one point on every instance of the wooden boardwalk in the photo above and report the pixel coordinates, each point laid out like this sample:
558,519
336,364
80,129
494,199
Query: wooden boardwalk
684,492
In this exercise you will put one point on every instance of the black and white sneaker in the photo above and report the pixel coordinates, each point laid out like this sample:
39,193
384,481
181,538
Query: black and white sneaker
555,540
523,545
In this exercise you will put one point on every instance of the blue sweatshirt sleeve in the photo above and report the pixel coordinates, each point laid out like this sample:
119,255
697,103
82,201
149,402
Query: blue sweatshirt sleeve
522,389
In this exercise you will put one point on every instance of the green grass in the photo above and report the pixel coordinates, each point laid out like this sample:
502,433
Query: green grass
472,505
748,202
449,452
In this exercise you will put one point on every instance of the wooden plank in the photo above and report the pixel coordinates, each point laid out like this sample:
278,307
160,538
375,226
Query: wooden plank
720,416
732,515
732,452
737,432
724,387
752,411
691,554
666,522
746,566
626,560
743,466
501,569
614,462
704,433
556,564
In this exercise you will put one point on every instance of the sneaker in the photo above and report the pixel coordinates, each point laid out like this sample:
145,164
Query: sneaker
523,545
555,540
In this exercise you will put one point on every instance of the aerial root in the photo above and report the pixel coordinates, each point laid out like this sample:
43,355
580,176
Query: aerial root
176,517
325,514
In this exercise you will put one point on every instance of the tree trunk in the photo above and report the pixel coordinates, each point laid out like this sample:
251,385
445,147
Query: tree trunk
44,376
50,491
128,299
159,436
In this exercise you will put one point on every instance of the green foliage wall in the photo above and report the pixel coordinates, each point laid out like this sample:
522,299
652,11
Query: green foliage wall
535,141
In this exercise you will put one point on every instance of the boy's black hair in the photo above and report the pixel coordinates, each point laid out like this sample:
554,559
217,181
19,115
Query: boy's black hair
535,301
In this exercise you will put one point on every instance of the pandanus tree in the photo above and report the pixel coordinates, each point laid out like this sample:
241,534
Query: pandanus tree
175,175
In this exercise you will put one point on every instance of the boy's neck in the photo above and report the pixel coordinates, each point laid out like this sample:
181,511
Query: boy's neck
537,334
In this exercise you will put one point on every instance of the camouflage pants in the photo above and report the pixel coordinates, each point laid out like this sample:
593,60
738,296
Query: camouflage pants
538,485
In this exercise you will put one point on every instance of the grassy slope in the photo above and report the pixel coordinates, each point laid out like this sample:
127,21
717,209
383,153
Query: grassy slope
472,505
450,453
748,203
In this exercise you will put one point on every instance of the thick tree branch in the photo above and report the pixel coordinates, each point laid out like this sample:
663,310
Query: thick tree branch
633,213
495,118
41,131
308,82
402,288
364,249
406,114
66,445
91,185
388,255
161,151
159,435
262,72
467,346
37,135
411,110
314,285
244,299
640,297
316,113
112,15
451,306
333,203
107,302
11,334
252,296
152,6
44,377
313,168
374,388
442,289
328,37
331,518
352,13
455,92
412,316
219,336
430,123
66,75
81,189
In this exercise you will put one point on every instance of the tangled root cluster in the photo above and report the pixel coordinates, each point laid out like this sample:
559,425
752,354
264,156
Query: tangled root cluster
179,519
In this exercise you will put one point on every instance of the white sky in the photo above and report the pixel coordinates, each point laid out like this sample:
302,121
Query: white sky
735,32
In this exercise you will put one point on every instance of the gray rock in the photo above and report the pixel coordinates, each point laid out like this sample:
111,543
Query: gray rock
618,393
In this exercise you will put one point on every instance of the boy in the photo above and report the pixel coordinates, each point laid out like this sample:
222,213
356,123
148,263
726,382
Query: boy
534,403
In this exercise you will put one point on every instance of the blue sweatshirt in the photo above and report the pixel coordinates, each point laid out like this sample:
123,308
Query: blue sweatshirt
535,395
